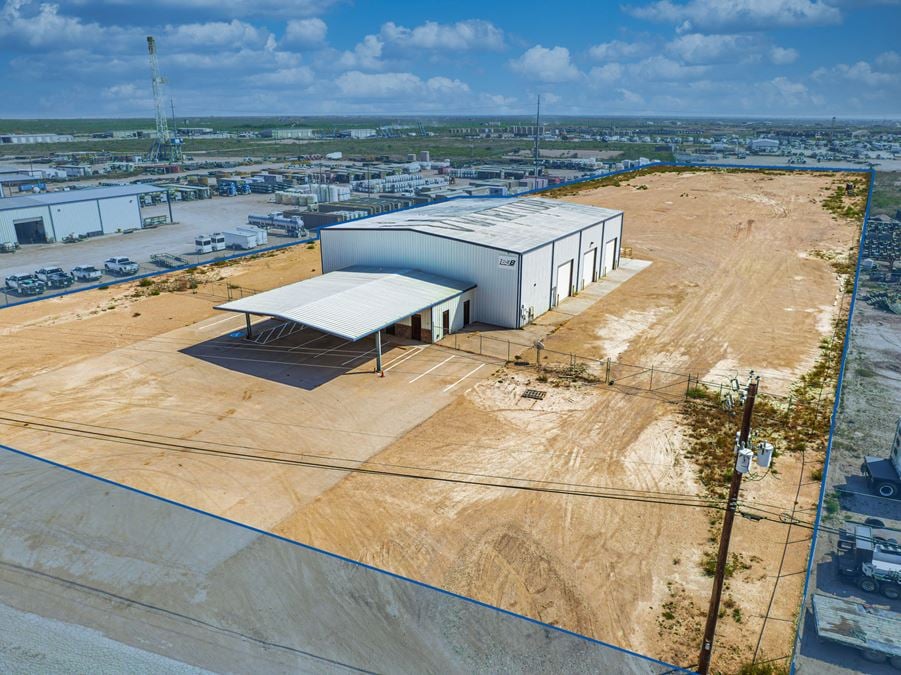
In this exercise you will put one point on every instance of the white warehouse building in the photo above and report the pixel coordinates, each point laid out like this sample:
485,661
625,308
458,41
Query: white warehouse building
523,255
427,272
53,216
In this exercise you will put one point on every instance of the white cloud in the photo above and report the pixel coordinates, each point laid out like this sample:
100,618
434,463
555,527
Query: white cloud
297,76
889,60
606,74
366,54
23,23
743,14
783,55
617,49
696,48
546,65
216,34
446,86
630,97
660,68
463,35
230,8
782,92
305,32
858,73
550,98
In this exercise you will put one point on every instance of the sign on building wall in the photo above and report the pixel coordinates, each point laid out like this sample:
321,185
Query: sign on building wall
506,261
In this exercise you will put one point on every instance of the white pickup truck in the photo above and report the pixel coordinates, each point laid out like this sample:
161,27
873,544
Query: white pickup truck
86,273
122,267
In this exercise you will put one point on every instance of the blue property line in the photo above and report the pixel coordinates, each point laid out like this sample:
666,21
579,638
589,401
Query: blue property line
576,181
335,556
838,394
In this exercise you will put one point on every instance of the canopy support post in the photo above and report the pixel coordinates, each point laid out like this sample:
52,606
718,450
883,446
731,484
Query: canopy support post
378,352
248,333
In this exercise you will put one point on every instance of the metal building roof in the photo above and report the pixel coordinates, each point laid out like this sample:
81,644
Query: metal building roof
354,302
70,196
516,224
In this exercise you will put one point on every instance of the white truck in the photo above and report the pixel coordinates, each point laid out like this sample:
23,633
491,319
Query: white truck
884,475
260,233
24,284
54,276
86,273
120,266
276,220
871,559
240,240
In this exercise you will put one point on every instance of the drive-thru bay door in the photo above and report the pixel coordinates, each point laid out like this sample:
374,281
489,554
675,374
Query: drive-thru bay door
609,256
589,274
564,281
30,231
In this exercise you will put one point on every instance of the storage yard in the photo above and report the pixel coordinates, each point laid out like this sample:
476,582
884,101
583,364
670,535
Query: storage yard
152,387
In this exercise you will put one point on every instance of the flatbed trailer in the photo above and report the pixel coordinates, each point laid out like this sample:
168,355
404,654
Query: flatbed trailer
874,632
168,260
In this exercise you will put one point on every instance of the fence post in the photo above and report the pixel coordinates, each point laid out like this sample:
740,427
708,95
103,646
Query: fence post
607,375
651,384
480,344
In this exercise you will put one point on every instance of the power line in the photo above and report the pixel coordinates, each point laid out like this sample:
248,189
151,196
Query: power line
365,467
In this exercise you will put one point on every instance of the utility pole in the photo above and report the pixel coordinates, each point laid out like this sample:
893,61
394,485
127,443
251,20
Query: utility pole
743,456
537,134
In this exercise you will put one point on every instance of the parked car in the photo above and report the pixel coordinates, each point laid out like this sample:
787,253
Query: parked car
24,284
55,277
121,266
86,273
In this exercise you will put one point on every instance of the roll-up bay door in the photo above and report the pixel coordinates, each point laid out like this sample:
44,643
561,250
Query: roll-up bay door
609,256
564,281
589,261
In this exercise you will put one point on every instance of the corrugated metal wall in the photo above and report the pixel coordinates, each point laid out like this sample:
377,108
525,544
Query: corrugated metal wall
536,282
8,230
497,283
566,250
120,213
455,306
75,218
613,229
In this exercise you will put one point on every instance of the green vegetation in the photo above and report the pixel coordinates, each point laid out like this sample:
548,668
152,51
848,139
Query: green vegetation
768,668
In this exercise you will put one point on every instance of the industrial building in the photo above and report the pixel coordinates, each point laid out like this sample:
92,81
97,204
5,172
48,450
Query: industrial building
54,216
19,139
427,272
280,134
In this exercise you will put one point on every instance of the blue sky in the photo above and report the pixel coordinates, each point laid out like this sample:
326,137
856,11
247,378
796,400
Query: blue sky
85,58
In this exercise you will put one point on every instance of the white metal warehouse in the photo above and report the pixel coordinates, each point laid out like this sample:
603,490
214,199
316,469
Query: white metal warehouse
523,255
53,216
429,271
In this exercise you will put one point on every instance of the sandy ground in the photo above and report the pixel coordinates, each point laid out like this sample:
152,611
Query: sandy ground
732,286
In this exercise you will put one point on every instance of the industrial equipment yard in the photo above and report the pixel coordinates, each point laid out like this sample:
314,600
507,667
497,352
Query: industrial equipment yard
421,472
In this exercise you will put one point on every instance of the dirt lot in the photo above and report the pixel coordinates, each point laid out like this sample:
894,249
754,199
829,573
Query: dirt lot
735,284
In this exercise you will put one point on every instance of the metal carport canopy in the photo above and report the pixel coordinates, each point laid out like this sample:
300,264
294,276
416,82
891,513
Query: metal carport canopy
354,302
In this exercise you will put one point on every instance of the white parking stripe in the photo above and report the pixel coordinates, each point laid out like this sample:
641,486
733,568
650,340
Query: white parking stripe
464,377
431,369
216,323
338,346
400,359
